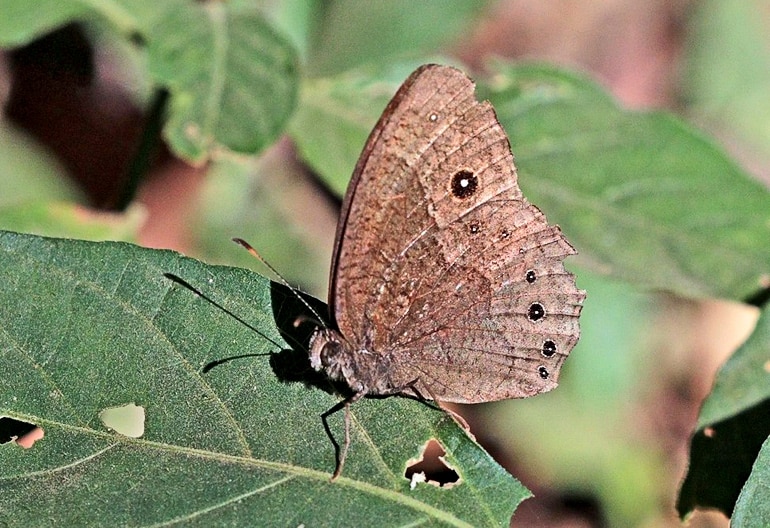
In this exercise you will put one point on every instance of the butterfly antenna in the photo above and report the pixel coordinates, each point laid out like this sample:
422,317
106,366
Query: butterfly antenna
302,318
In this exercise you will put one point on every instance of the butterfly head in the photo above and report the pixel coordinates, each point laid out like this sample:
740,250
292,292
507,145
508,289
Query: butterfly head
330,354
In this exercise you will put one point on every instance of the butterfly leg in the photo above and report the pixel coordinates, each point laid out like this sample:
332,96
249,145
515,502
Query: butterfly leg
341,453
412,386
456,416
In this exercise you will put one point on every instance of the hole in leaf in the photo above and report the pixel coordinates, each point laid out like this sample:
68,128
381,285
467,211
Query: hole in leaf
25,434
127,420
431,467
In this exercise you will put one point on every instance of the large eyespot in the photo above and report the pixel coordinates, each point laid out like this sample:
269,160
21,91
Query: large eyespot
536,311
464,184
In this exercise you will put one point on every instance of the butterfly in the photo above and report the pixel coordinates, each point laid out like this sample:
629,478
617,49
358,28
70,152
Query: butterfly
446,283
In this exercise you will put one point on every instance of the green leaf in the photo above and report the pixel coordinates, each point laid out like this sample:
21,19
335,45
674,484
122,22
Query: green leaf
29,172
753,508
744,380
71,220
728,72
233,79
641,195
92,326
733,424
721,458
355,32
23,21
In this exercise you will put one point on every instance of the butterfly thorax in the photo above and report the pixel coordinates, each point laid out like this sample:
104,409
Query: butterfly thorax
362,370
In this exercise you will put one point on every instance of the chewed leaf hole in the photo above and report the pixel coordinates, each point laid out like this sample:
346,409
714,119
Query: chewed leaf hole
127,420
25,434
431,467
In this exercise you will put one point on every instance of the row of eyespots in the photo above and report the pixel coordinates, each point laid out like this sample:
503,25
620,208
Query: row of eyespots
536,313
464,184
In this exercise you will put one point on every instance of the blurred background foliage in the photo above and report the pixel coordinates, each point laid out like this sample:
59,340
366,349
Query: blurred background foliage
609,447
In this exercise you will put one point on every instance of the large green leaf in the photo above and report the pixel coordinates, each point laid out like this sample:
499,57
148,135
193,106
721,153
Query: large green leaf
232,77
641,195
87,327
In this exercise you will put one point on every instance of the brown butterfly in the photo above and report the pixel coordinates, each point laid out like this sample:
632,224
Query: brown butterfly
446,283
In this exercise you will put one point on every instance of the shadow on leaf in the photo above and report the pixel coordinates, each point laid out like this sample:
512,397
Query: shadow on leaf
296,321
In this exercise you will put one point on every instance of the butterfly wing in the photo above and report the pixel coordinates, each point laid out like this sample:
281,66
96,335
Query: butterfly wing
440,263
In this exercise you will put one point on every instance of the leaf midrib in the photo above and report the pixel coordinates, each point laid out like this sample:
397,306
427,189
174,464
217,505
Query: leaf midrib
296,471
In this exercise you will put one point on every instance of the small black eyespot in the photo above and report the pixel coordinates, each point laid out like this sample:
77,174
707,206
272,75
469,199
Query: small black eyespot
549,348
464,184
504,234
474,228
536,312
543,372
531,276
